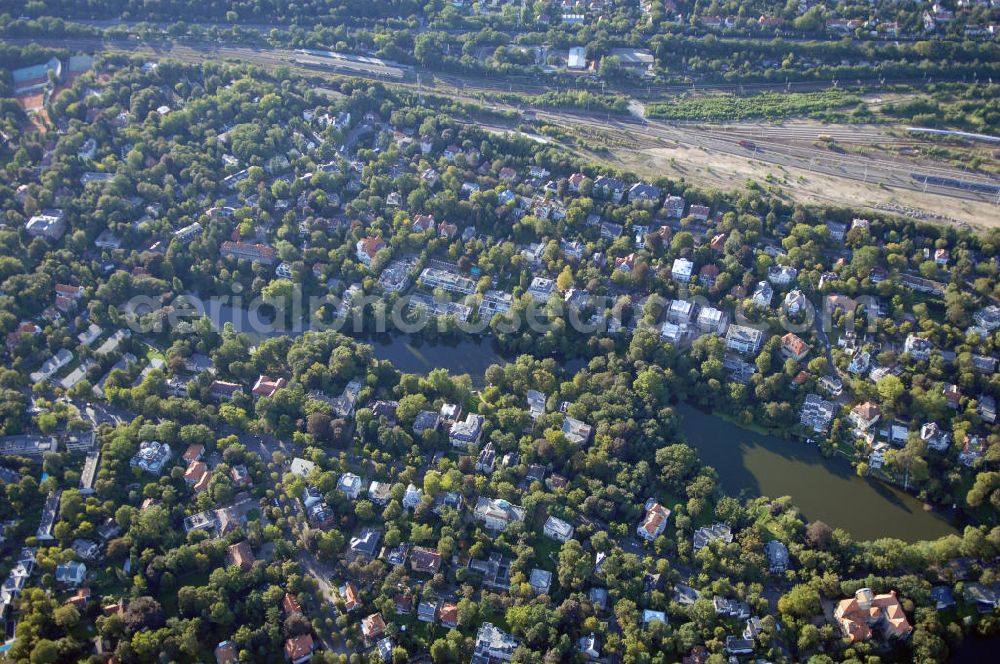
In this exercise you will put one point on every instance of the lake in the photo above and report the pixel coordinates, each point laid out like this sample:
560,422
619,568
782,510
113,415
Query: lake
829,490
411,354
747,462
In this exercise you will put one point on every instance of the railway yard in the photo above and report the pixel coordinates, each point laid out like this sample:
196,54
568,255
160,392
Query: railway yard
874,165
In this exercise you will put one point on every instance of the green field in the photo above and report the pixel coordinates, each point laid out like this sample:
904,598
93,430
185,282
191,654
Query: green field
766,105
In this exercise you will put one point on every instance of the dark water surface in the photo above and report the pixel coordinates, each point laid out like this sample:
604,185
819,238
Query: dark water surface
747,462
824,489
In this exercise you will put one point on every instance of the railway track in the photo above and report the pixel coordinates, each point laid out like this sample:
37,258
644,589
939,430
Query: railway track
643,134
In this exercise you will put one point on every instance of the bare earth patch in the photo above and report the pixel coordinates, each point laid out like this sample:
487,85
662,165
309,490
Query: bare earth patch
726,171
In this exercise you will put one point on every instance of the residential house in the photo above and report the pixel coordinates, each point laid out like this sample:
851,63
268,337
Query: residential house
240,476
934,437
762,294
576,432
712,320
349,594
699,212
642,192
795,302
424,560
540,581
972,450
448,499
467,434
754,628
744,340
680,312
738,646
986,408
252,252
197,476
953,394
708,274
423,222
866,615
365,544
865,415
606,186
447,614
536,403
486,460
497,513
650,616
876,458
918,348
987,318
367,248
225,653
193,453
151,457
682,270
717,531
655,521
625,263
240,555
674,207
72,573
426,420
859,363
412,497
832,384
777,556
379,492
598,598
588,647
493,645
817,413
557,529
299,649
782,275
267,386
49,224
350,485
732,608
942,597
541,289
223,390
793,347
427,611
372,627
494,570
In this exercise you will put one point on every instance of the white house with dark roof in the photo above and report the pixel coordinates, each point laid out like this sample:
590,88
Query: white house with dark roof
496,513
682,270
467,434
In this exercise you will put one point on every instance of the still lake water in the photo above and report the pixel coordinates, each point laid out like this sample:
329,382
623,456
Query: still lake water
409,354
825,489
747,462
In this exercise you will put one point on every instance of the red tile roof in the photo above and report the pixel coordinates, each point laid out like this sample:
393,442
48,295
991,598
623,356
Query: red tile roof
299,646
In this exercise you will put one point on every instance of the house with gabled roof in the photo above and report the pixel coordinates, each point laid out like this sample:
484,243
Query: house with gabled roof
867,614
299,649
654,522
